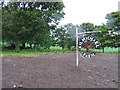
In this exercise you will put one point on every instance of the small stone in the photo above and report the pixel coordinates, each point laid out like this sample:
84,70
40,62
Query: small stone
113,80
98,74
86,70
118,82
90,77
14,65
104,67
14,86
106,83
20,86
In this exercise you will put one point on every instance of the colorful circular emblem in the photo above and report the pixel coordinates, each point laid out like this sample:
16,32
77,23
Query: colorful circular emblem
88,43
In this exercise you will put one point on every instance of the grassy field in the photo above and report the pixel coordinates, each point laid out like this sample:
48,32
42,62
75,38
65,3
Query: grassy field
52,49
106,50
32,51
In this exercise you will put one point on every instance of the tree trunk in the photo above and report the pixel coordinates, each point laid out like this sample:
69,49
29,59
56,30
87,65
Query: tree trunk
17,48
23,46
69,47
103,50
35,47
12,46
63,47
31,45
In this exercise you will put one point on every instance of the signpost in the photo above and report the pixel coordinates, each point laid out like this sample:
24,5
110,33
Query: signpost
77,42
76,46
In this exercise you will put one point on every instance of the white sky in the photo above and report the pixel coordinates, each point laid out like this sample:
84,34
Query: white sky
93,11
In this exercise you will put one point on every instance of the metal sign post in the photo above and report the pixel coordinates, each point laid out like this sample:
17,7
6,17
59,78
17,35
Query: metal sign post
77,42
76,46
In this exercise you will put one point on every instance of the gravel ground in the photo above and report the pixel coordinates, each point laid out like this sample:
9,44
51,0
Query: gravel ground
58,70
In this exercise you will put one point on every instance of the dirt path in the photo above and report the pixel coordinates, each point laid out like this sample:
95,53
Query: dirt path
59,71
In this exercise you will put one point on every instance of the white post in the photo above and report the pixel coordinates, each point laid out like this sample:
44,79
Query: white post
77,42
76,46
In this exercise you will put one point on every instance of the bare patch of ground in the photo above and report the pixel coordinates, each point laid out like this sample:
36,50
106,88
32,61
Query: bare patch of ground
58,70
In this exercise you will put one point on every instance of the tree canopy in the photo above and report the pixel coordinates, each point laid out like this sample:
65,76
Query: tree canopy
110,36
36,23
30,22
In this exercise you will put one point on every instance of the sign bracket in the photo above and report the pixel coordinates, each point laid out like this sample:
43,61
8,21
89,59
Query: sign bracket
77,61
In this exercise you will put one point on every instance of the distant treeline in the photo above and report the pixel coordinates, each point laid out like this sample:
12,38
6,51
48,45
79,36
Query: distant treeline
35,24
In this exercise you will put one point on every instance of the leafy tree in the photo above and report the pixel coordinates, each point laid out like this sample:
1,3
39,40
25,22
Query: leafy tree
113,24
71,29
87,26
102,36
30,21
62,37
109,36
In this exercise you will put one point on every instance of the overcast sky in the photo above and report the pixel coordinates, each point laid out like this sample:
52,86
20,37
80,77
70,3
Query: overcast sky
93,11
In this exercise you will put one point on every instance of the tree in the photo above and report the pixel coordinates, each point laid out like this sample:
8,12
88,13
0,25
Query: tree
109,36
60,35
113,24
71,29
102,36
87,26
30,21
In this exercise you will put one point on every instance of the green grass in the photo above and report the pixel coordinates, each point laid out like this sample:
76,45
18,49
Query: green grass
52,49
22,52
55,48
106,50
32,51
